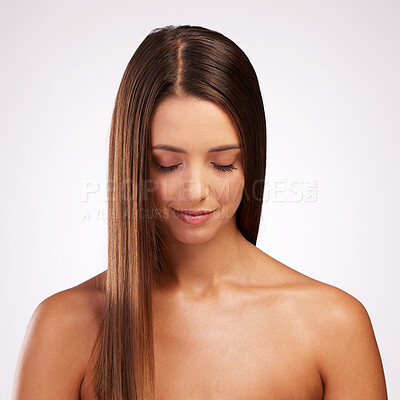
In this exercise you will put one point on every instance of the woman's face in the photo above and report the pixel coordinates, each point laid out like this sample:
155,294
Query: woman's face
196,165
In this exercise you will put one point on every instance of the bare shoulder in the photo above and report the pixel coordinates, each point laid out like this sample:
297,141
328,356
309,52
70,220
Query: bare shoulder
340,333
327,309
347,351
58,343
80,303
323,301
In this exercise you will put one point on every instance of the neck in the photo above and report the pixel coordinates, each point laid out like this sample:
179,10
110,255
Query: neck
198,268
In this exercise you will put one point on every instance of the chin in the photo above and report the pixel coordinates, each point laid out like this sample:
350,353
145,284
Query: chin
201,236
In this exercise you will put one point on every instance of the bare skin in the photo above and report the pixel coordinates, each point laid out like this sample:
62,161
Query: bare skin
230,322
290,337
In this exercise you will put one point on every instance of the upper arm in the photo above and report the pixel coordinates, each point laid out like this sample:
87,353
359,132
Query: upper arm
350,363
51,363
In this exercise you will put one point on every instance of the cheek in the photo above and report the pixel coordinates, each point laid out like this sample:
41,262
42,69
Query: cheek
230,190
165,190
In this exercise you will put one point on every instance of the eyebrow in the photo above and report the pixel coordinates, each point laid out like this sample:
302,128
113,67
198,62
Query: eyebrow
180,150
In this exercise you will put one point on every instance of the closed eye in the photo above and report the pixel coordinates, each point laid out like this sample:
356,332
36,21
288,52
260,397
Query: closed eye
223,168
162,169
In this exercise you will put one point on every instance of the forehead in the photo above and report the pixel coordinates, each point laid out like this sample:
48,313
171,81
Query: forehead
194,124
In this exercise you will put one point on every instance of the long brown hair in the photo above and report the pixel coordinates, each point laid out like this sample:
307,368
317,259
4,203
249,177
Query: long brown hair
174,60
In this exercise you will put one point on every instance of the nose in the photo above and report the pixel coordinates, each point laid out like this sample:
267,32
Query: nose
195,185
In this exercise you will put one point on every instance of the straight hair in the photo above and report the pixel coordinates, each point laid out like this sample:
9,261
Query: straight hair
184,61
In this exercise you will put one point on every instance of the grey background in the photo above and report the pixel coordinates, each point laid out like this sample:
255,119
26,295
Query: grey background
329,77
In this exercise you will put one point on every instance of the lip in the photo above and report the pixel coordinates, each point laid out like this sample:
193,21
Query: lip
195,212
194,217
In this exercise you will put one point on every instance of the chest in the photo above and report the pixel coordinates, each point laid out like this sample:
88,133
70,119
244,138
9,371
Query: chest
235,354
246,352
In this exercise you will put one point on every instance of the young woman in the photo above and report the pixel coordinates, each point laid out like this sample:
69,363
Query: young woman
189,308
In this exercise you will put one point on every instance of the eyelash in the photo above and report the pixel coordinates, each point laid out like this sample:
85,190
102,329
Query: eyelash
223,168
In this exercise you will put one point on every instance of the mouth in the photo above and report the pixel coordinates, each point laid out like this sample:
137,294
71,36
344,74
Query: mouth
194,212
194,217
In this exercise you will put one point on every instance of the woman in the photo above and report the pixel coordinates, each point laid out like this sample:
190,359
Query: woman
189,308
